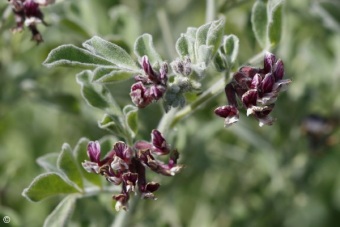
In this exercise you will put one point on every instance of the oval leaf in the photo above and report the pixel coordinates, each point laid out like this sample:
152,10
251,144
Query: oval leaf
111,52
259,20
110,75
144,46
131,119
62,212
67,164
275,26
49,162
47,184
70,55
230,47
88,91
215,34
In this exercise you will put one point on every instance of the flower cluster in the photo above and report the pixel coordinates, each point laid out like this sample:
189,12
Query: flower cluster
149,86
257,88
126,166
27,13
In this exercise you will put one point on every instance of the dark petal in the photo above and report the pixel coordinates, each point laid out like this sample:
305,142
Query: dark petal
157,91
36,36
143,145
160,145
93,151
231,94
230,113
148,70
279,70
152,187
249,71
249,98
267,84
242,79
31,9
140,95
122,201
123,151
130,180
268,62
256,81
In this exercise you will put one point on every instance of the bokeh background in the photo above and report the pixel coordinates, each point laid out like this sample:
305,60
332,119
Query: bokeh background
283,175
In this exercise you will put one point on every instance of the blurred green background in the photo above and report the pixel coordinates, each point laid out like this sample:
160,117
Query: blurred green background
283,175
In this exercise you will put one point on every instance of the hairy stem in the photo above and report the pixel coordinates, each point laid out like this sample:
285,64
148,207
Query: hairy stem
210,10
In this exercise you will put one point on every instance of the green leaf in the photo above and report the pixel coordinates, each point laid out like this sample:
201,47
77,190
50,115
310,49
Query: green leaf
47,184
219,61
111,52
201,36
70,55
80,153
106,75
215,34
204,53
185,47
259,20
49,162
67,164
275,26
230,47
112,124
62,213
144,46
131,119
90,94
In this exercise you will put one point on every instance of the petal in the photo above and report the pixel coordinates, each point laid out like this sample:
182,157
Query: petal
90,167
249,98
267,83
279,70
123,151
160,145
256,81
268,62
93,151
281,85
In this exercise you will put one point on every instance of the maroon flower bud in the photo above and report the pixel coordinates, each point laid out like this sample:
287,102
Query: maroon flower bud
249,98
130,180
122,201
268,62
149,87
123,151
140,95
249,71
267,84
256,81
278,70
230,113
93,151
160,146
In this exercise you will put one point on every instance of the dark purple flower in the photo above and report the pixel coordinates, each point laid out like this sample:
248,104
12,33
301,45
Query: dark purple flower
257,89
27,13
149,86
126,166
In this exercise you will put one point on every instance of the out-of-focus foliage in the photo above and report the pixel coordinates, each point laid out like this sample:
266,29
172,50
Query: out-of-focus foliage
280,175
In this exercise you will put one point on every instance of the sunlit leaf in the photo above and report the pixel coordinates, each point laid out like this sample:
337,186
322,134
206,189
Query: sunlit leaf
111,52
61,214
259,20
47,184
70,55
69,166
144,46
